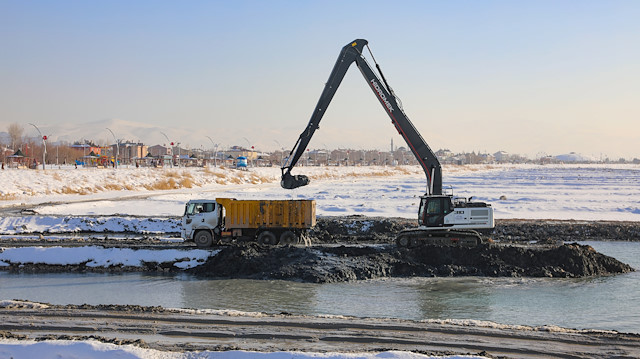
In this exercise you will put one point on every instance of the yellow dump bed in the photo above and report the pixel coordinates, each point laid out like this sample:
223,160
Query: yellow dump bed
300,214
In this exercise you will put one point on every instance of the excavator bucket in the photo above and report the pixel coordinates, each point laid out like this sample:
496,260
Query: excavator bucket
290,182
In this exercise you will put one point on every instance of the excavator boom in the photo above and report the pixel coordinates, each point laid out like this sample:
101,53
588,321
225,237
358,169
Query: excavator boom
349,54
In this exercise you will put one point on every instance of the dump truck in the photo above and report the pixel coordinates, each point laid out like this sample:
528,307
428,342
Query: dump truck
227,220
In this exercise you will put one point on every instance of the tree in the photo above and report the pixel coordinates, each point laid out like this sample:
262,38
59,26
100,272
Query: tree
15,134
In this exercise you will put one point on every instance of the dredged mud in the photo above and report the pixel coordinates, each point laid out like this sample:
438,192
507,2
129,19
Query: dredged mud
356,247
325,264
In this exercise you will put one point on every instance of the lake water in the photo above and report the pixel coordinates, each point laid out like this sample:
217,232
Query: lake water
611,302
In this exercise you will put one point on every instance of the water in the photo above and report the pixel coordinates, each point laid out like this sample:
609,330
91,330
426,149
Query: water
611,302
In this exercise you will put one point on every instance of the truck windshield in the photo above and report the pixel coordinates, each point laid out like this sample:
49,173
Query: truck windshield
195,208
189,208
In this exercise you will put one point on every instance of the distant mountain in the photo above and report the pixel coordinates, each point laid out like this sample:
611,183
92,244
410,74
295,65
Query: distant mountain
97,132
123,130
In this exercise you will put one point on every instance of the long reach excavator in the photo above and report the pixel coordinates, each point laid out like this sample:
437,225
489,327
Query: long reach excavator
443,219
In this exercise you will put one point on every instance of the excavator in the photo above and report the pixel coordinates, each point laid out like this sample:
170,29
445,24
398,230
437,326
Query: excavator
443,219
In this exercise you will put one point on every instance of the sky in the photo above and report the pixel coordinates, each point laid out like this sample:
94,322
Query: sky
527,77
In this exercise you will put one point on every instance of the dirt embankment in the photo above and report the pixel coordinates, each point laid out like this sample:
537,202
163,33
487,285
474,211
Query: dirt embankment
323,264
358,259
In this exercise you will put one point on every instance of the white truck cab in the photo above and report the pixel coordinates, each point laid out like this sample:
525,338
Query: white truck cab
201,214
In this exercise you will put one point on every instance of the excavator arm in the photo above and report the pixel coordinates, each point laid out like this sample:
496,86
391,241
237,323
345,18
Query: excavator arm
351,53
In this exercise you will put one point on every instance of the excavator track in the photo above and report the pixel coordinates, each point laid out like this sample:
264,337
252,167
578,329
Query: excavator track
412,238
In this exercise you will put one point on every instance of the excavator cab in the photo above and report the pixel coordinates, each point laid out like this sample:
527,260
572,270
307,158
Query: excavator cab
433,209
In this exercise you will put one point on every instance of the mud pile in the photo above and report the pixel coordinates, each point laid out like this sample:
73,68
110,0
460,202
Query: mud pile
360,229
345,263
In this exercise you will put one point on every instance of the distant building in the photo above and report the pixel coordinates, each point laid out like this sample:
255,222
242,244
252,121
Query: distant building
159,150
501,156
237,151
87,148
444,154
129,151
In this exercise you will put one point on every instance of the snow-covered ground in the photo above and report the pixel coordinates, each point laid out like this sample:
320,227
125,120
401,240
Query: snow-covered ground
93,256
110,200
581,192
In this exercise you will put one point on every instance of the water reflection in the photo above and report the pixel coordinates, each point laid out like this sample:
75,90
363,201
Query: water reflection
91,288
443,298
249,295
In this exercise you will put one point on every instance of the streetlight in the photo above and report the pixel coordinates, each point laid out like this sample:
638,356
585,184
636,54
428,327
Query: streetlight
250,153
171,143
44,143
115,164
215,154
326,153
179,152
281,152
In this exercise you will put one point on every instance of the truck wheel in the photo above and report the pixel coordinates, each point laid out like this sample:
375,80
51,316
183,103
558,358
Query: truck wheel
268,238
203,239
288,238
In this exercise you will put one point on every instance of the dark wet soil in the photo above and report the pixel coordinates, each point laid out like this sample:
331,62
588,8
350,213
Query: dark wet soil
323,264
363,249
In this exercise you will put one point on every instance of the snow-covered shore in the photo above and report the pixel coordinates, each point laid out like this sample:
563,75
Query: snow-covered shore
95,257
579,192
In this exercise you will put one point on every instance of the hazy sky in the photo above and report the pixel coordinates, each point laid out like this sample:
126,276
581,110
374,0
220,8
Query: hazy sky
525,77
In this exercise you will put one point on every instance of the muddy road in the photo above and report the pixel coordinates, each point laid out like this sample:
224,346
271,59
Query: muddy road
195,330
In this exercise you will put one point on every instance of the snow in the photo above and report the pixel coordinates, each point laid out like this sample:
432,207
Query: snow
61,349
70,224
494,325
150,201
571,191
93,256
22,304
